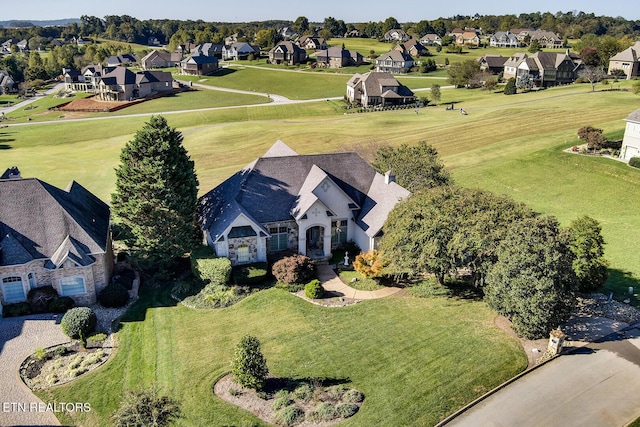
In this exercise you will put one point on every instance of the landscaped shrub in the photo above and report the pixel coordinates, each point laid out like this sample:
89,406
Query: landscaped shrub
40,298
15,310
249,367
294,269
635,162
314,289
208,268
346,410
146,408
113,295
282,400
323,412
289,416
61,304
303,392
215,296
78,322
369,264
352,396
250,274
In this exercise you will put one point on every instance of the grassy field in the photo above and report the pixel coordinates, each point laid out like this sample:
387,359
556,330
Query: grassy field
415,360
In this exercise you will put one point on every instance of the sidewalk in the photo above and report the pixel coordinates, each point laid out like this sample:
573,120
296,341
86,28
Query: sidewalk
332,283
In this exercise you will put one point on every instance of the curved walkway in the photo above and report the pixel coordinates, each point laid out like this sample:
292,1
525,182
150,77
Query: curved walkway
20,337
332,283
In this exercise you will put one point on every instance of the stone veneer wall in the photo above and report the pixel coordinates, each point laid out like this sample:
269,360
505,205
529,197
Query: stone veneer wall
251,241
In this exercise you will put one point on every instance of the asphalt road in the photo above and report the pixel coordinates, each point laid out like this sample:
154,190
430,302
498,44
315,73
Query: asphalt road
599,385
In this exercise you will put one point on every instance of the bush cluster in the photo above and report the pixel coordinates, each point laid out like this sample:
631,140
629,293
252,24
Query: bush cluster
294,269
323,412
40,298
61,304
313,289
289,416
78,322
635,162
125,277
215,296
16,310
113,295
208,268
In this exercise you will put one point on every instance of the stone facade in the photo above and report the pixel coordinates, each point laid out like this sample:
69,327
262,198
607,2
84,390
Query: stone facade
251,242
292,226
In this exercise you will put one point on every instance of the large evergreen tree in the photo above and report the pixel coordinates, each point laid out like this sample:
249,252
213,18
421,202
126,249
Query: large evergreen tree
156,193
587,245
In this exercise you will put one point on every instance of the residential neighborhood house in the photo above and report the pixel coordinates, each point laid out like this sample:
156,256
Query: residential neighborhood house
158,59
631,140
413,48
396,35
208,49
52,236
395,62
122,84
312,43
431,40
199,65
338,57
307,204
6,83
493,64
124,60
287,52
468,37
545,68
628,61
504,39
85,80
240,50
378,89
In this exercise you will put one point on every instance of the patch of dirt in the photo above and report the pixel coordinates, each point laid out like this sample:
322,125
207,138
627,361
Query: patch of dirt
91,104
248,399
533,348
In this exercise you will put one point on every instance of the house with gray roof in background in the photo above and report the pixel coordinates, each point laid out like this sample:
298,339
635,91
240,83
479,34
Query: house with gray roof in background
338,57
395,62
122,84
631,140
52,236
287,52
307,204
378,89
199,65
627,61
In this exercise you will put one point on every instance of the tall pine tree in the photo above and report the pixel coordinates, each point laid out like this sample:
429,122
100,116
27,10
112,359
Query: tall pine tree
156,193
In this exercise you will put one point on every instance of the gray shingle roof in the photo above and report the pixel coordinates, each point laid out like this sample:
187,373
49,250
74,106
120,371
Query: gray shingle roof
270,190
38,221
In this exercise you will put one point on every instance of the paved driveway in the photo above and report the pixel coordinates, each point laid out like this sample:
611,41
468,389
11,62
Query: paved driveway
20,337
599,385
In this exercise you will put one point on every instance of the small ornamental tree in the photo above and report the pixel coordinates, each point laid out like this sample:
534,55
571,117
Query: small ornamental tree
587,245
78,322
369,264
249,366
510,87
145,408
156,193
594,137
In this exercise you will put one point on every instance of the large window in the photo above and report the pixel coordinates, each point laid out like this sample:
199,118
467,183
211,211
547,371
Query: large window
243,253
13,289
279,240
338,232
72,286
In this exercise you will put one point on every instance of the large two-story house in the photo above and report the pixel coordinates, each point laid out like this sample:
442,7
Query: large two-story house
394,62
378,89
338,57
122,84
545,68
287,52
52,236
627,61
308,204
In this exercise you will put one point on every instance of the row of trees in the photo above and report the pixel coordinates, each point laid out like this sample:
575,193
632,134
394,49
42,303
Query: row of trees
528,267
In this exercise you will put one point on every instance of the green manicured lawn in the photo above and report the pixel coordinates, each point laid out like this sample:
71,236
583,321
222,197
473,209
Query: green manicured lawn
415,360
362,283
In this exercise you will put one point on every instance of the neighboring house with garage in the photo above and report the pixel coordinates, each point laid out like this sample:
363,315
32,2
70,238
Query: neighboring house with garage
631,141
52,236
307,204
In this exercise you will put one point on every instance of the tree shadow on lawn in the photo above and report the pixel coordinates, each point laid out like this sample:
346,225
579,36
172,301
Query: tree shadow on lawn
223,72
619,282
150,295
274,384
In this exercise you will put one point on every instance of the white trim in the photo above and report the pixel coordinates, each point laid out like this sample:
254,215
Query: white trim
61,289
22,282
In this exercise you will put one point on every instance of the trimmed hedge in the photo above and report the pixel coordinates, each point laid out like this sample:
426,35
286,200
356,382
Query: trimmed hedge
314,289
113,295
635,162
16,310
208,268
294,269
78,321
61,304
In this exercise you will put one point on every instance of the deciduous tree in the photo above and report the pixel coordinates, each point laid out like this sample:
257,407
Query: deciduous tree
156,193
532,282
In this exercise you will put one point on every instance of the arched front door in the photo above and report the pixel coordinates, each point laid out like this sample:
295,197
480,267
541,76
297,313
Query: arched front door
315,242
